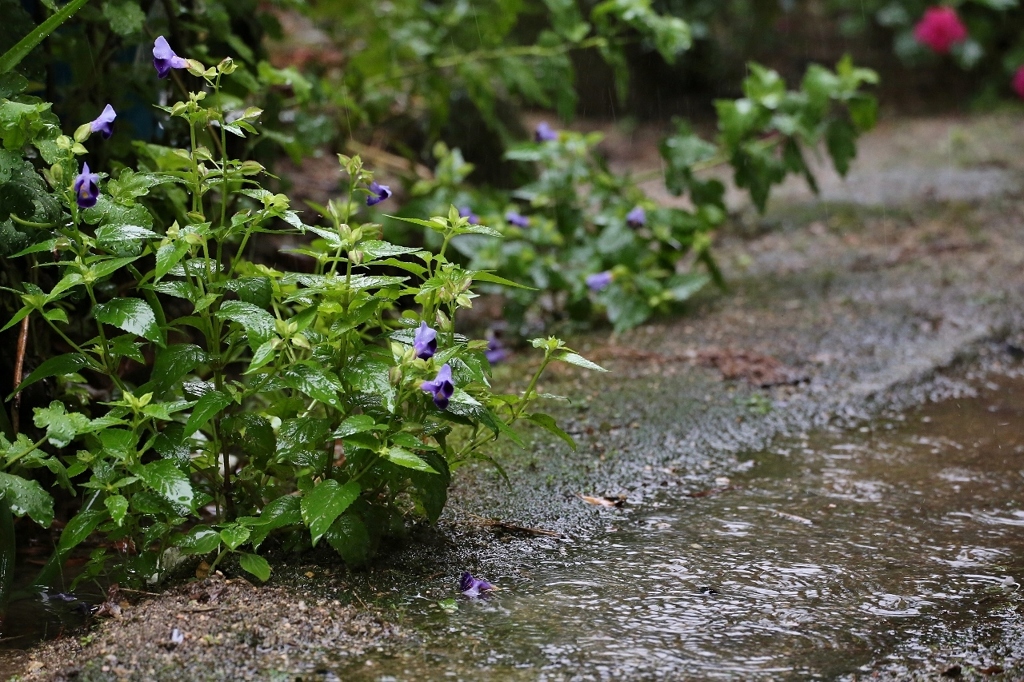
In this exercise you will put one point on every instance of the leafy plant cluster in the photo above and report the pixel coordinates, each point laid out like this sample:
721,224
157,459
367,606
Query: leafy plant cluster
206,402
992,45
589,241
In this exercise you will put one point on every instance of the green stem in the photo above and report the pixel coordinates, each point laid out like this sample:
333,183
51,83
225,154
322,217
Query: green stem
29,223
23,47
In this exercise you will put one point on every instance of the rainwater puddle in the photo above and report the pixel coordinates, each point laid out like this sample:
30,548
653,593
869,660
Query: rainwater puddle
828,553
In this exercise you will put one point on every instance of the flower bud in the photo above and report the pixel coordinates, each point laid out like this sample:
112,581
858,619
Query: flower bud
57,173
82,132
195,67
251,168
227,66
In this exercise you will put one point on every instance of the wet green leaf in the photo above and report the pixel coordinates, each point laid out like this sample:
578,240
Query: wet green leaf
404,458
327,501
257,322
350,539
313,381
165,478
174,362
579,361
548,423
69,363
61,426
27,498
200,540
79,528
132,315
208,406
234,535
117,506
256,565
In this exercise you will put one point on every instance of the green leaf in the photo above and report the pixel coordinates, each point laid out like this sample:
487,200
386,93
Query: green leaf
256,565
357,424
206,408
27,498
61,427
133,315
125,16
404,458
123,239
257,322
200,540
165,478
685,286
167,256
279,513
547,422
578,360
349,538
255,290
841,140
485,276
69,363
117,505
174,362
79,528
326,502
314,382
234,535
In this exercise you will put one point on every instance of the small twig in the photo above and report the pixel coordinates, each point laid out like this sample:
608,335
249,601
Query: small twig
494,523
149,594
203,609
19,365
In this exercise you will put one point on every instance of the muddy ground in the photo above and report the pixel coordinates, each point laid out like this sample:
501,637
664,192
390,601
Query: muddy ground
901,288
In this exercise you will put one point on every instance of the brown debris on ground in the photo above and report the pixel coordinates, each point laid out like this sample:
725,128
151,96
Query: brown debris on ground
754,368
215,629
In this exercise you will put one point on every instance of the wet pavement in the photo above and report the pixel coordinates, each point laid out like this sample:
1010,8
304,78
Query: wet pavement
829,551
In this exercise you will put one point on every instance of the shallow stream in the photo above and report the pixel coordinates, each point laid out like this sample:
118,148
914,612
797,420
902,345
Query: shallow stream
830,555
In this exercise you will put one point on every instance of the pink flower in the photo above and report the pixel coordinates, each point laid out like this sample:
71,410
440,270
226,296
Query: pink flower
1018,82
940,28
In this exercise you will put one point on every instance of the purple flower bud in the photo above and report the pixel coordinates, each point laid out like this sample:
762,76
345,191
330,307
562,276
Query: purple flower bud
425,342
441,387
517,219
636,217
473,587
380,193
544,133
164,58
104,123
599,281
495,352
467,212
87,189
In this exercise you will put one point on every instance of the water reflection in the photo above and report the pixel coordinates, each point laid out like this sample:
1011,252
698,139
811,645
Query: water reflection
822,557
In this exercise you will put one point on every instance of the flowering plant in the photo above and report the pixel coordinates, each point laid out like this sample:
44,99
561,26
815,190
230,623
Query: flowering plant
205,401
591,242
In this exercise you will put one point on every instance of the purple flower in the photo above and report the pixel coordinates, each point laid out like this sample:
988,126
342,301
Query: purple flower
473,587
517,219
104,123
599,281
467,212
495,352
87,189
164,58
636,217
425,342
441,387
544,133
379,194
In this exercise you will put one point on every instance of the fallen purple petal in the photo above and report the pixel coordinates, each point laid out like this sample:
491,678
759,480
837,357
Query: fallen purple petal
473,587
